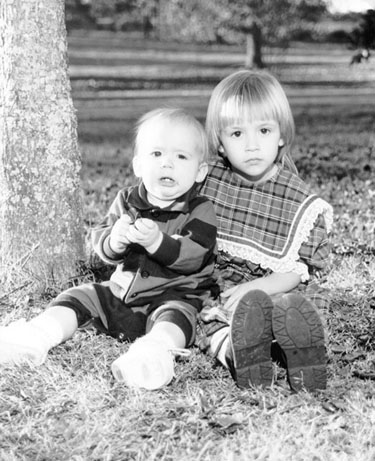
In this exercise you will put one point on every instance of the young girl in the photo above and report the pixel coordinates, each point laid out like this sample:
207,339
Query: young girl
272,238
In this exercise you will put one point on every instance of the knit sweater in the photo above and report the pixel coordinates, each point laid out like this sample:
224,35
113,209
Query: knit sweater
182,266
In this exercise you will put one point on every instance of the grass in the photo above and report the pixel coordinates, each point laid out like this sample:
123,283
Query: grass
71,408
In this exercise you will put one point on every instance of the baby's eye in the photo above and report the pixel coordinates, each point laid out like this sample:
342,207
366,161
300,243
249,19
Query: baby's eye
182,156
156,153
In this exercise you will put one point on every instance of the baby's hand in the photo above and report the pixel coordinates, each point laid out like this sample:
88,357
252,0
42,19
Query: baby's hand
118,237
146,233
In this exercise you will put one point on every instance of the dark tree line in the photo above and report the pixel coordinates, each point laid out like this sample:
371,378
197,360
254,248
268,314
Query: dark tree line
254,22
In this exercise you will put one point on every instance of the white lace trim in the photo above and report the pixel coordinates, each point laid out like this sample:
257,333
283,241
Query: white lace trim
290,261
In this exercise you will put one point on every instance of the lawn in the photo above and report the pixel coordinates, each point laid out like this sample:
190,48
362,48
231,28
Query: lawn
71,408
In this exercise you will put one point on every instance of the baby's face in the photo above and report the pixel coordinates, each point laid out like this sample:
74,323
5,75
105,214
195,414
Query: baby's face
168,159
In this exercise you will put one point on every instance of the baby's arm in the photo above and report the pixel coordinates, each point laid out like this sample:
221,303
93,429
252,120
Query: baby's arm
118,239
272,284
109,237
146,233
194,246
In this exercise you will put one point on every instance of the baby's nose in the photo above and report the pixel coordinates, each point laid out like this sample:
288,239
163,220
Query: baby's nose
167,161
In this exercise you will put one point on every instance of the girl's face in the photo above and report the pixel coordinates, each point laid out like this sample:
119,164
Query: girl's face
251,146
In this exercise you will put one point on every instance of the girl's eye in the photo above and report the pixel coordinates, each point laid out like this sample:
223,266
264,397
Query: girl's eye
265,130
156,153
236,134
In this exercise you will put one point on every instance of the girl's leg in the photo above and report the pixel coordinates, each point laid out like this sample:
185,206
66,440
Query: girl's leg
30,341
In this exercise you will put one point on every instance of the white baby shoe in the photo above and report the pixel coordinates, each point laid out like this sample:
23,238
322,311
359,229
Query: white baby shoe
148,364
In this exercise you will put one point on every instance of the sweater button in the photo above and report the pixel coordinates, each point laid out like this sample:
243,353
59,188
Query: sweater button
134,295
145,274
155,213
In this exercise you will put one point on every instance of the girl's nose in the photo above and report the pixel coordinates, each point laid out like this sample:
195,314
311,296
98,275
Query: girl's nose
251,141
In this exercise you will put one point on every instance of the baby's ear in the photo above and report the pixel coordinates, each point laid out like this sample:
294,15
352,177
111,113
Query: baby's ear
137,166
202,172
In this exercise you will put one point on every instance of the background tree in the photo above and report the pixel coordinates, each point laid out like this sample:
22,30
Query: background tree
40,203
270,21
363,36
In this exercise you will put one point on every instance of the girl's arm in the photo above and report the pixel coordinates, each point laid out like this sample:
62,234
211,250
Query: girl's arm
272,284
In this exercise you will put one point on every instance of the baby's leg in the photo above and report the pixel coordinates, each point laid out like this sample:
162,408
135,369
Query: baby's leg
30,341
23,341
149,362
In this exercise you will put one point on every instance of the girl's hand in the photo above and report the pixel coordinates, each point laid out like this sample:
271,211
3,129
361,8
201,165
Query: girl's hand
232,296
273,284
118,239
146,233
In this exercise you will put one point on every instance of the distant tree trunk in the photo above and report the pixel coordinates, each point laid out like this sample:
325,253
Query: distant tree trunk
254,43
40,203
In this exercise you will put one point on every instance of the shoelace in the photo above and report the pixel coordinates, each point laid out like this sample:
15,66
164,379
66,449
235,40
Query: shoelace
180,352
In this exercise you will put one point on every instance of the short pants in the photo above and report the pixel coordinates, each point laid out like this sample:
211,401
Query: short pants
103,303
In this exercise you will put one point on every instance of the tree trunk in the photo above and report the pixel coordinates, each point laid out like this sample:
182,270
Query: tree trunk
40,203
254,43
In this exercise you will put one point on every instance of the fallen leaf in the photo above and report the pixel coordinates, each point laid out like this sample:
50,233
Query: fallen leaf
353,356
364,374
336,349
227,422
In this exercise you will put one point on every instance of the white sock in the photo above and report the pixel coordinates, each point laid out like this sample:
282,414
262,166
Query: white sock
53,333
162,339
219,344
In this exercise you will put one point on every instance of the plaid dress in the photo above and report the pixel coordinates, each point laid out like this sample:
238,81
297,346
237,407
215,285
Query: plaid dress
275,226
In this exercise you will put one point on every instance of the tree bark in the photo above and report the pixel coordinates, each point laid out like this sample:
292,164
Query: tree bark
254,43
41,236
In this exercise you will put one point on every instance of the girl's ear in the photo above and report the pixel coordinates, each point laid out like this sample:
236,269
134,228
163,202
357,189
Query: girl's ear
281,142
221,149
137,166
202,172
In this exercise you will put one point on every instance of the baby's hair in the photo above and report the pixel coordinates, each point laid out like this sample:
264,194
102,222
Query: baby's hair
174,115
254,94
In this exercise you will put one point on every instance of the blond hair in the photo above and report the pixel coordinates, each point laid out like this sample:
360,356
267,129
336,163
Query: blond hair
175,115
256,95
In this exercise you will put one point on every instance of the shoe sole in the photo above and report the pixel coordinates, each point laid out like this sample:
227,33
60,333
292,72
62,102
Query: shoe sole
251,337
298,329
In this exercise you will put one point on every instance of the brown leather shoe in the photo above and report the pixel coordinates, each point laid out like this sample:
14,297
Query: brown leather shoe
250,337
299,331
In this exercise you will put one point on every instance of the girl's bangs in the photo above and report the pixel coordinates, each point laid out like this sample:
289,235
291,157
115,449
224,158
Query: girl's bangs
246,107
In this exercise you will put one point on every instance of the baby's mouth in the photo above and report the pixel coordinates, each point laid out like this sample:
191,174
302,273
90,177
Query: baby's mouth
167,180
